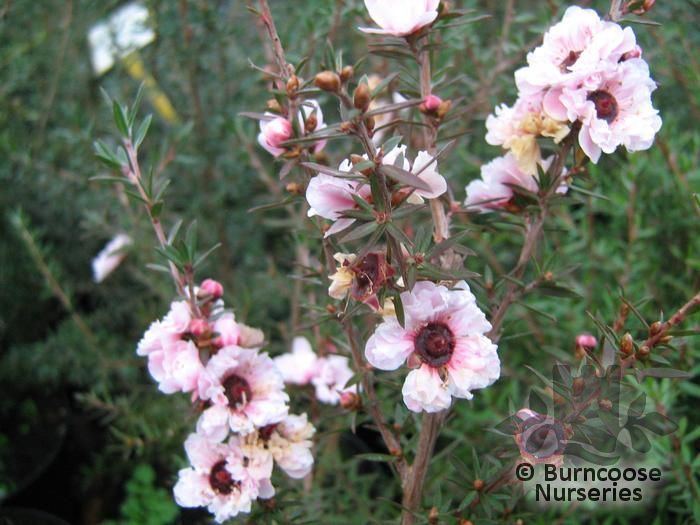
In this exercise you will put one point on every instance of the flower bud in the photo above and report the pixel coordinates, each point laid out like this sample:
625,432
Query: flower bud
655,328
643,352
350,401
466,522
328,81
362,97
294,188
433,516
273,133
578,385
346,73
292,85
370,123
212,288
627,344
605,405
430,104
479,484
586,341
444,108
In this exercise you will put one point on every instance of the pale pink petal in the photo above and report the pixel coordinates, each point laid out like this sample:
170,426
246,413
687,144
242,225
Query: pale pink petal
424,391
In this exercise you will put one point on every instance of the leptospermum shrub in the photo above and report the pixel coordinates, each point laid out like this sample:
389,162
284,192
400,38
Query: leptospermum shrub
396,331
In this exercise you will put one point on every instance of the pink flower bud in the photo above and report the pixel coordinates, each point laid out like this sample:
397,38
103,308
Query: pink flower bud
350,400
212,288
586,341
432,102
273,133
198,327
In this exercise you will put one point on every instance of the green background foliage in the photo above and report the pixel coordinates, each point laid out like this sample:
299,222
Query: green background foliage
80,414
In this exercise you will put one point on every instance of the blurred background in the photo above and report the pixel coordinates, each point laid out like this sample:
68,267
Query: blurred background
85,437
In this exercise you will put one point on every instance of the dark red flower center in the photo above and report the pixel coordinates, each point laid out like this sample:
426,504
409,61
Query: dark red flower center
435,343
265,433
569,61
220,479
605,105
366,275
237,390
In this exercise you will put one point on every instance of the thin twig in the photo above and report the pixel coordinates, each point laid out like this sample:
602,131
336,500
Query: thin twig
533,232
390,440
674,320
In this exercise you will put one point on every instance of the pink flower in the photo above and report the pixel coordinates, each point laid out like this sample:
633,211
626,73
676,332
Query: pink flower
245,390
110,257
586,341
176,368
173,360
614,107
219,479
443,340
332,374
426,169
230,332
400,17
517,129
290,445
298,366
330,196
212,288
310,109
273,133
494,189
577,46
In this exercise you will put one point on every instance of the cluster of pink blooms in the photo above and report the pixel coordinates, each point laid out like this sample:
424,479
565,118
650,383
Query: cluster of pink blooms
442,340
586,78
245,426
330,196
328,375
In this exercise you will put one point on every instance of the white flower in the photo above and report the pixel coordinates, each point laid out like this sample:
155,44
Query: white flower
400,17
110,257
577,46
443,338
219,479
290,444
245,390
332,374
614,107
298,366
495,188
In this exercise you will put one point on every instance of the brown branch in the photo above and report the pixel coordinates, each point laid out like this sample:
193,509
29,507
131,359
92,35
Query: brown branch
285,69
390,440
532,235
414,479
674,320
132,171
